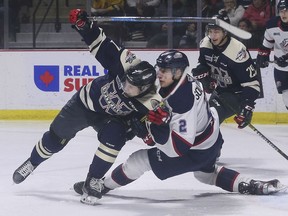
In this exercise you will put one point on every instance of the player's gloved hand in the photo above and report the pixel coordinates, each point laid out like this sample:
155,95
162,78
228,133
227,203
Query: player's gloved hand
262,60
202,74
140,130
245,116
282,61
79,19
160,115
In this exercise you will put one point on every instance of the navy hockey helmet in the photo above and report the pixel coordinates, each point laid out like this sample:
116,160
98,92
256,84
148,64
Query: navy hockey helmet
282,5
141,74
172,59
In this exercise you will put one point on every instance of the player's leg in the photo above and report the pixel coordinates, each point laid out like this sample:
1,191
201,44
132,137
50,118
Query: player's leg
281,81
70,120
231,180
225,103
136,165
112,137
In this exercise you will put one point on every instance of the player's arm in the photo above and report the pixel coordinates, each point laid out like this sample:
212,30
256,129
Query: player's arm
266,46
103,48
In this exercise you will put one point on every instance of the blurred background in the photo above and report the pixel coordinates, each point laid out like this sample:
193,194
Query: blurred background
44,24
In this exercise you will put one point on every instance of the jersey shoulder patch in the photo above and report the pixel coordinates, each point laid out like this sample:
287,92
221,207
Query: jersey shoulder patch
150,99
236,51
128,59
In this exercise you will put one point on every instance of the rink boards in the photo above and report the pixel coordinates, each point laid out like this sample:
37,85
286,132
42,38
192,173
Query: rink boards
36,84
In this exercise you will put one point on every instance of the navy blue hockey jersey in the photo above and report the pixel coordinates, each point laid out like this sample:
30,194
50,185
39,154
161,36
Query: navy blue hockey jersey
104,94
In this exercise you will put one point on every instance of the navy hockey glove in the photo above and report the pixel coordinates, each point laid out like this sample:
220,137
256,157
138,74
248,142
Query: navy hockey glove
245,116
202,74
282,61
262,60
140,130
79,19
160,115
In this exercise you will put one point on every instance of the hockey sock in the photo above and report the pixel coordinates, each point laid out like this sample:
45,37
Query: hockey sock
102,161
135,166
46,147
226,179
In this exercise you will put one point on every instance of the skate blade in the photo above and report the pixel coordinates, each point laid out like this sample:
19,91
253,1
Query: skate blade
279,189
282,188
89,200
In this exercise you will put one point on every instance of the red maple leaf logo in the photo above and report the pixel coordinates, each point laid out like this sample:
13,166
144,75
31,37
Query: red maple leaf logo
47,78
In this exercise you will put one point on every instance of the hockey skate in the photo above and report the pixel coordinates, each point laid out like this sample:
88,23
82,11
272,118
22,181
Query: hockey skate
92,190
22,172
256,187
78,187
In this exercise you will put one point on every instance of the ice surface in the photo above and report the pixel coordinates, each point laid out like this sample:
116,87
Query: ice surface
48,191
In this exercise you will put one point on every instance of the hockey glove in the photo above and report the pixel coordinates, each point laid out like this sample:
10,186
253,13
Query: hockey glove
282,61
79,19
245,116
202,74
262,60
160,115
140,130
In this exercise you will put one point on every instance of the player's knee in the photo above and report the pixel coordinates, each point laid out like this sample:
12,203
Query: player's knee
113,134
137,164
51,142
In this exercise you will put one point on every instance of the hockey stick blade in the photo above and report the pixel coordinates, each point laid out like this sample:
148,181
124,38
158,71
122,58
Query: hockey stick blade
233,29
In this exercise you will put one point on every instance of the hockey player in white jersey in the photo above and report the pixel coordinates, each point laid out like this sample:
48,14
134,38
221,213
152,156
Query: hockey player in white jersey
276,37
187,140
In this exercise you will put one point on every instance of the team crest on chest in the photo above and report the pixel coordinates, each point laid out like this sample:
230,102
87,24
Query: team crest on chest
111,102
284,44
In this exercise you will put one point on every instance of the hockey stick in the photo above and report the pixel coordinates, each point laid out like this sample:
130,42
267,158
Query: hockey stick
256,130
230,28
268,141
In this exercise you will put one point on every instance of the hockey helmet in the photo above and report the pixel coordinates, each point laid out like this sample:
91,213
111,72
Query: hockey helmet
221,15
142,75
282,5
172,59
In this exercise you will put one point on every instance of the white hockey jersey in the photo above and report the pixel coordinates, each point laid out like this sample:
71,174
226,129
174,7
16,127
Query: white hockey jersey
193,124
276,37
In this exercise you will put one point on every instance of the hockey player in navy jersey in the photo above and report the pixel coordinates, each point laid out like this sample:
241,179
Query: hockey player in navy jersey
187,140
227,70
102,104
276,37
